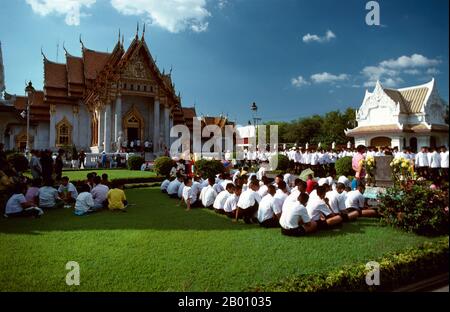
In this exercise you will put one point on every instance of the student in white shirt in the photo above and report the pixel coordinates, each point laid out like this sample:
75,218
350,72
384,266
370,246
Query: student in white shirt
230,205
320,211
172,188
208,194
165,185
295,220
248,203
264,188
219,202
444,162
269,212
84,203
421,162
17,205
435,163
189,198
356,202
67,191
281,195
336,198
48,196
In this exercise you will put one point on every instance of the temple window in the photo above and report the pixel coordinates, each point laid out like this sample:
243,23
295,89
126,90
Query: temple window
132,87
139,87
145,88
63,133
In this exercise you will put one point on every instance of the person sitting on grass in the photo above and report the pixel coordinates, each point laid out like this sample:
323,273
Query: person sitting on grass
336,199
310,184
67,191
320,212
48,196
18,206
208,194
219,202
172,188
356,202
165,185
264,186
90,180
180,189
105,180
117,200
189,197
32,195
84,203
230,205
99,194
281,194
247,205
269,212
295,220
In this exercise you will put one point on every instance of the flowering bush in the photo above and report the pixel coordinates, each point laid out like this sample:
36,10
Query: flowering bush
402,170
418,209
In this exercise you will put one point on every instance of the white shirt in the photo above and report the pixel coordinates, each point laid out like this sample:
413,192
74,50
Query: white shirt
280,198
47,196
314,159
207,196
248,199
188,195
14,203
422,160
164,185
267,208
293,212
263,189
180,190
99,193
316,207
444,159
196,188
261,173
84,202
336,201
221,199
70,188
231,203
218,187
354,200
435,160
173,187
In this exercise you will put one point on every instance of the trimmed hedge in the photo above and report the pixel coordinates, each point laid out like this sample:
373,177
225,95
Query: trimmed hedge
283,163
163,165
128,181
208,168
135,162
396,270
343,166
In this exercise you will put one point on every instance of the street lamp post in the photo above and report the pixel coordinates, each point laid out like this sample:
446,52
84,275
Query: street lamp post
29,90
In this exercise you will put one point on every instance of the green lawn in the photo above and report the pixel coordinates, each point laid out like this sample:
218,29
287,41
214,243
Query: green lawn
158,246
112,173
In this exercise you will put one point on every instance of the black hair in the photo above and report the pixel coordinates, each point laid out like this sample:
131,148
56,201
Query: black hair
105,176
65,178
303,198
97,180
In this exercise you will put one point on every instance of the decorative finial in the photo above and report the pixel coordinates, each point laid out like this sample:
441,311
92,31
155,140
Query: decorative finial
123,39
143,32
64,48
119,36
81,41
43,55
171,69
137,30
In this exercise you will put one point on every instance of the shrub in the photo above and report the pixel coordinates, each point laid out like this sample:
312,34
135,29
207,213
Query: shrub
283,163
163,165
19,162
135,162
417,209
343,166
396,269
209,168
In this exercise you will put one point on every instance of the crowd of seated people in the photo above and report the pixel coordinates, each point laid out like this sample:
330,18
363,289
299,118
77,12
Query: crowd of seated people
295,206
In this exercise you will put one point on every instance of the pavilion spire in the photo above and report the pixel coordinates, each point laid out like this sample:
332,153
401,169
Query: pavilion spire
2,73
82,44
137,30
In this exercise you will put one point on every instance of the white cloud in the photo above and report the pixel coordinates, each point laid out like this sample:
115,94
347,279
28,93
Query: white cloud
172,15
328,78
413,61
72,9
390,72
433,71
329,35
222,4
299,82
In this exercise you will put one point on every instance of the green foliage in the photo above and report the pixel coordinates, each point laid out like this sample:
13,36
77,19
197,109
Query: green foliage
417,209
283,163
396,270
135,162
209,168
18,161
163,165
324,129
344,166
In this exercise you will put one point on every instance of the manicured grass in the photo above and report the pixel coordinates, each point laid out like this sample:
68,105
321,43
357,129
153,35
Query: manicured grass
157,246
112,174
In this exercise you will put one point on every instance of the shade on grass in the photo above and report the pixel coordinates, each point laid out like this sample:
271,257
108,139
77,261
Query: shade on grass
157,246
80,175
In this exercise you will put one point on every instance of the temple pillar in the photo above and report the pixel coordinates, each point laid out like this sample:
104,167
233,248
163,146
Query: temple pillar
101,119
118,117
107,128
156,129
52,134
167,126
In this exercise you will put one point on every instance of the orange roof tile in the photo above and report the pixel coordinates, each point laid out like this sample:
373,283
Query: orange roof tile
75,69
93,62
55,75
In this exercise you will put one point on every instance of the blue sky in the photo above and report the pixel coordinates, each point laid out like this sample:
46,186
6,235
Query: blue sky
293,58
